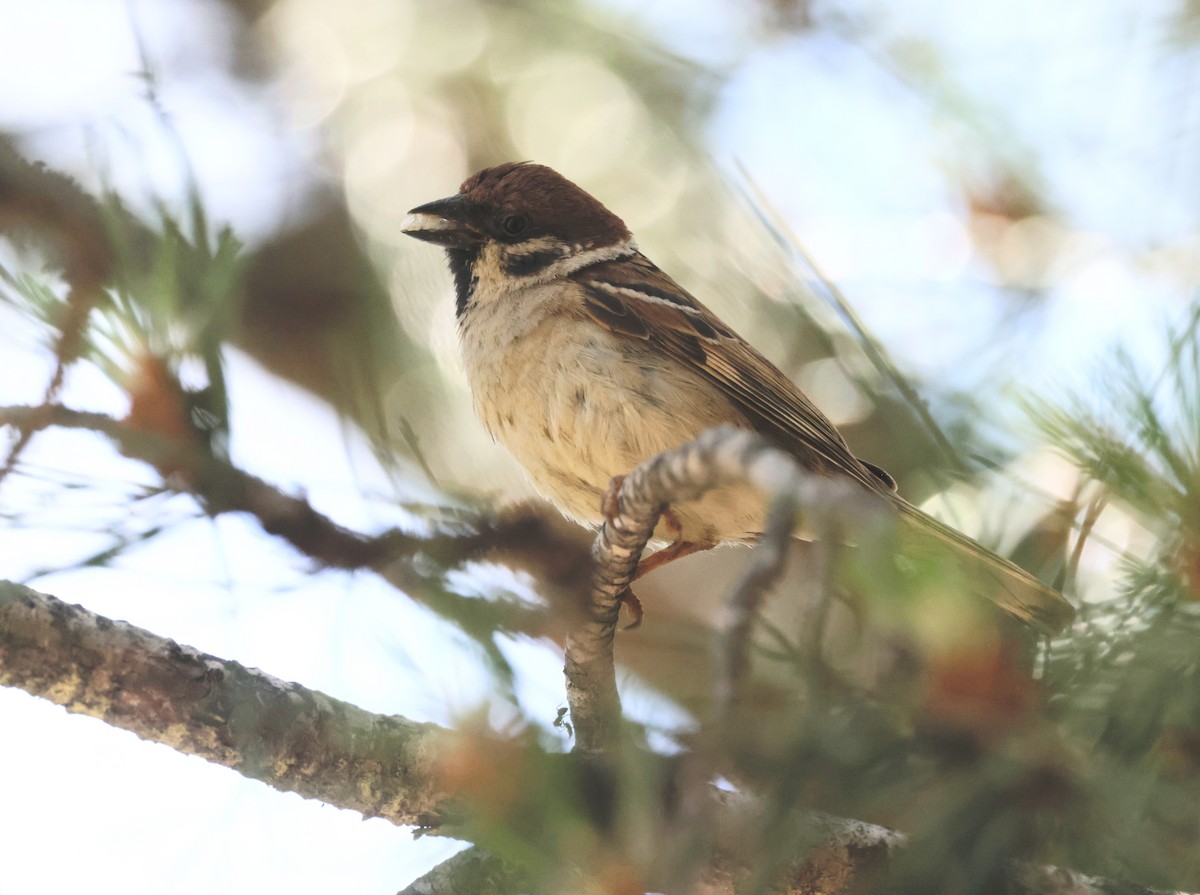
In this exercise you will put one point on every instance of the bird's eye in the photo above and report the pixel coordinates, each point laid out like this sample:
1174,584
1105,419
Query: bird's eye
514,224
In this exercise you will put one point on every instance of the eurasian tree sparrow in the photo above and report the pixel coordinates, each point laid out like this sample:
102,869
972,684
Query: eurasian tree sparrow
584,359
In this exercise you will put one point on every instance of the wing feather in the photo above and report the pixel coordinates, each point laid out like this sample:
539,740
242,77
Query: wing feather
688,331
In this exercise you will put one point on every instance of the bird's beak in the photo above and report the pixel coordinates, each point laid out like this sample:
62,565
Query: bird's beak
444,222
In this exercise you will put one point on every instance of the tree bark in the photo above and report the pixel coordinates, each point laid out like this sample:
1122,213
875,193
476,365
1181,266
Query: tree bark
292,738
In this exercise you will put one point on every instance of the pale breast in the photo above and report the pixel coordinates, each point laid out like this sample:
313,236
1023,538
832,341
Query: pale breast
577,405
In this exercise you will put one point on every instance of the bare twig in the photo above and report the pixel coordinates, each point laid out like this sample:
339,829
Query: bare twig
1095,507
760,574
79,304
721,456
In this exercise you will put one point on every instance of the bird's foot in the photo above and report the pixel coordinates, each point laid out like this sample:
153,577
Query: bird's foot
610,507
631,602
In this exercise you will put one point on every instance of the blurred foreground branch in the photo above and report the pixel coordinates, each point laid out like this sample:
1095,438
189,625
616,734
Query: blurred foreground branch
301,741
525,540
721,456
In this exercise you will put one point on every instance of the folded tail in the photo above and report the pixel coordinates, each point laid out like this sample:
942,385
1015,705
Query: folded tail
1007,585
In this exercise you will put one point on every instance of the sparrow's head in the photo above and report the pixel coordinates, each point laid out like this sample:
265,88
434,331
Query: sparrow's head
517,223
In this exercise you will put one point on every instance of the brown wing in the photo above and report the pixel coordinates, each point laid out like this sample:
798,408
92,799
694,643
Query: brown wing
637,299
633,297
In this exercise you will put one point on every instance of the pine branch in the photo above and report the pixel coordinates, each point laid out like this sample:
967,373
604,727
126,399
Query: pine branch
525,539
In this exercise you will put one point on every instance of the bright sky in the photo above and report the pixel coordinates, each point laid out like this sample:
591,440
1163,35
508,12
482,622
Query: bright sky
853,166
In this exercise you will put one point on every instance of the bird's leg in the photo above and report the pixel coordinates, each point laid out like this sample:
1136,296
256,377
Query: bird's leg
631,602
677,549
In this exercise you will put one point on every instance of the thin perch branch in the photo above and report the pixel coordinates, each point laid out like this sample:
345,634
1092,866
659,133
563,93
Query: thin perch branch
723,455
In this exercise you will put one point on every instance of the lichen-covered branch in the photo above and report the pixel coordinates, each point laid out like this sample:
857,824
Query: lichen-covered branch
285,735
474,871
301,741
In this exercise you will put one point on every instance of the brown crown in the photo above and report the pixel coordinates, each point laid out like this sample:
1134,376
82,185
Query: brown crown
554,205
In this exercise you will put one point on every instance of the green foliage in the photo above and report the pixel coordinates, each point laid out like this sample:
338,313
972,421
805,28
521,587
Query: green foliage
1125,684
166,303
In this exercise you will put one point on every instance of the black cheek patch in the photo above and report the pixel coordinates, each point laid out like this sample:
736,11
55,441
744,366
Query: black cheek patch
462,268
522,265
